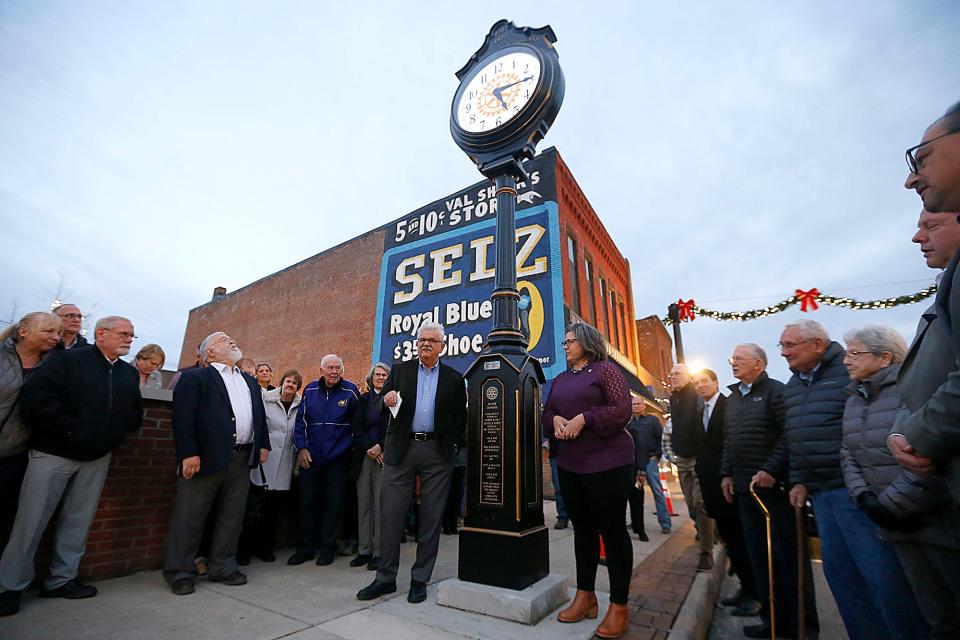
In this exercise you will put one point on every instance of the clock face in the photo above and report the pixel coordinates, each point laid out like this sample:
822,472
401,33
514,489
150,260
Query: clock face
498,91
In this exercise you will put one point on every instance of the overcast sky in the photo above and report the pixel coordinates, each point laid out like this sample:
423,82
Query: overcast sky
735,151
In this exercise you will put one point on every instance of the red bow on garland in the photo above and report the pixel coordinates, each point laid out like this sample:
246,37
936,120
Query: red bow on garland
686,309
808,299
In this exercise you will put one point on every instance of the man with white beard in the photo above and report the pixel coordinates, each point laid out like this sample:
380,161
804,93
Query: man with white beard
220,433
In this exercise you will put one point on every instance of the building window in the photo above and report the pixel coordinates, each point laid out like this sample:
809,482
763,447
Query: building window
574,275
606,311
623,330
588,272
616,325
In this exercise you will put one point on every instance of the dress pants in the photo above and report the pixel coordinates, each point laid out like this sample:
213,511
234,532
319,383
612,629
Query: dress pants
872,593
451,513
690,485
49,479
424,459
195,499
784,547
596,503
934,574
321,499
368,507
726,517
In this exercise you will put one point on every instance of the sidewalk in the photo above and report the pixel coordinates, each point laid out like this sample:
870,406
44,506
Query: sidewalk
308,602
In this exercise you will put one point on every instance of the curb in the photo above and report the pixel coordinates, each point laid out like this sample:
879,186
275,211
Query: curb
696,614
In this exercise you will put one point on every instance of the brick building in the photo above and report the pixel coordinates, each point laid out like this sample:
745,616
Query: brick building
436,263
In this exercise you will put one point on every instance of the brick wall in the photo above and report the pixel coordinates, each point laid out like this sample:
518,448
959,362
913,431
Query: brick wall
130,527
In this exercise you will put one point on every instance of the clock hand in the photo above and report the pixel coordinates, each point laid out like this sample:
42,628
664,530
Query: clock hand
499,96
507,86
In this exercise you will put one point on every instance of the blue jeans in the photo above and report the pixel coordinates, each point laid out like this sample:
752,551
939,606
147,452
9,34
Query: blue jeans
653,481
561,509
864,573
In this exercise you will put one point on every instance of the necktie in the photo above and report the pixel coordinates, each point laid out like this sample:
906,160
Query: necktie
706,416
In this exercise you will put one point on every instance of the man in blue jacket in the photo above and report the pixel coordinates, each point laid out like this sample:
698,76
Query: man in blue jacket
323,438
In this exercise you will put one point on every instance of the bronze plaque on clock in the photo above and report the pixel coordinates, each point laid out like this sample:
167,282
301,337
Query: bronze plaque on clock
491,443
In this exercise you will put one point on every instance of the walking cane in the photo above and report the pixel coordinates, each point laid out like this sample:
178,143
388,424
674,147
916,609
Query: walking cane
766,515
801,600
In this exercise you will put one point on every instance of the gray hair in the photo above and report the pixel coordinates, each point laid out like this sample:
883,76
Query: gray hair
590,339
206,342
809,329
376,365
328,357
109,322
756,350
878,338
680,367
432,326
951,119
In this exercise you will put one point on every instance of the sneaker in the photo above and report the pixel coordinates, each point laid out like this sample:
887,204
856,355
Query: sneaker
705,563
561,523
9,602
73,590
234,579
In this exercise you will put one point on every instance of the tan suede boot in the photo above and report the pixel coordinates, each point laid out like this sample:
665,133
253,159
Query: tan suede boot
615,623
584,605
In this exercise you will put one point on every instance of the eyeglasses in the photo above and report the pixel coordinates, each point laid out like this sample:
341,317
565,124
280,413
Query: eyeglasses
790,346
567,343
734,359
857,354
915,163
428,341
71,316
123,334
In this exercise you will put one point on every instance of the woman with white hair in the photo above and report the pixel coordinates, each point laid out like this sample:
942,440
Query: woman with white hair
895,505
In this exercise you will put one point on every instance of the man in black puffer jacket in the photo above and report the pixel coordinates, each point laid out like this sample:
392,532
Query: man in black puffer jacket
755,450
80,404
815,397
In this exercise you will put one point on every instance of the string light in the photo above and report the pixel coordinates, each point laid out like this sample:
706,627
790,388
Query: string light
835,301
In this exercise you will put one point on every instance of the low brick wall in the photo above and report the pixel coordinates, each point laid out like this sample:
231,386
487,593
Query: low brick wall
130,527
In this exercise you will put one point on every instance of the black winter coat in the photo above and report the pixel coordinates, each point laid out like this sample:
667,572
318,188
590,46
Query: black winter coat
814,424
686,436
79,406
647,435
753,437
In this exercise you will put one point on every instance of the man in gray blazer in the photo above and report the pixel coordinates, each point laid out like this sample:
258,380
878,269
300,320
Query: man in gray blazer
928,440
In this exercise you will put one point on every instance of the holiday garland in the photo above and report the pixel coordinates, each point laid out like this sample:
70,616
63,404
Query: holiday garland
808,300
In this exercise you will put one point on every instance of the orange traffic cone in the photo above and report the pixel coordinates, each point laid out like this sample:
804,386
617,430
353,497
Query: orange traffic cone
603,552
666,493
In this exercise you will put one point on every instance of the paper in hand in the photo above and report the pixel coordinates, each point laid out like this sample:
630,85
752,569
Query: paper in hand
395,408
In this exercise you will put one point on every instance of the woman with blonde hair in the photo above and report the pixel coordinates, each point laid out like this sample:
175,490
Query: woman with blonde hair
148,362
22,346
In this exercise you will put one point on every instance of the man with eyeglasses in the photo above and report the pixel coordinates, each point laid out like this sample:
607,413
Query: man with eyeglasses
427,400
323,437
80,405
755,450
928,440
72,320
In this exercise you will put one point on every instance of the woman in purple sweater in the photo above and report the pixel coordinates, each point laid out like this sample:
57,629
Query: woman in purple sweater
588,409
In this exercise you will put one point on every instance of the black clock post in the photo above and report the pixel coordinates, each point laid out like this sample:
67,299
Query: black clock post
510,92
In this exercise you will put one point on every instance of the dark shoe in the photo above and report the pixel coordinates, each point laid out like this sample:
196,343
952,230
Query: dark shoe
376,589
267,557
323,561
182,587
234,579
705,563
72,590
418,592
243,559
362,559
584,605
747,608
299,558
736,599
9,603
561,523
374,564
643,536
